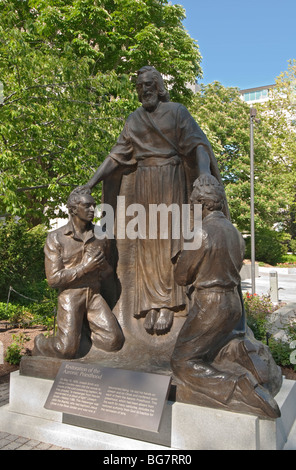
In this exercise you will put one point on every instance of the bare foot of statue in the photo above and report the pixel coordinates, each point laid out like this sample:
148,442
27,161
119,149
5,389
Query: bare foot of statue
164,321
150,320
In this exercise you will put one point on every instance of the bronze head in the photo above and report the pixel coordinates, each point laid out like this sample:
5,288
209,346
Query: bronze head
82,205
150,87
208,192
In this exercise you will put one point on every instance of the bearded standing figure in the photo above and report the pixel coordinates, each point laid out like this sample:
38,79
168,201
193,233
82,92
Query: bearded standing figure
158,155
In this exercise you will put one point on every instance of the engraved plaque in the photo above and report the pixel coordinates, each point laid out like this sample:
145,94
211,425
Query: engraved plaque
123,397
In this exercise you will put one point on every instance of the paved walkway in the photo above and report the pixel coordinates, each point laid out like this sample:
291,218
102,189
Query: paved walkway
14,442
286,284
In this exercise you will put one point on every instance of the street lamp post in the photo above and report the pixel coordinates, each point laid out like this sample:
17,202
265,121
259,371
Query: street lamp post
253,113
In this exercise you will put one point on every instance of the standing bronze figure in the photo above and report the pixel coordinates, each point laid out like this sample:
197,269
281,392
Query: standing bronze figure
158,155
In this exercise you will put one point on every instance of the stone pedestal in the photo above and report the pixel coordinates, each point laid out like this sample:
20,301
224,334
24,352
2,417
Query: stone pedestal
183,427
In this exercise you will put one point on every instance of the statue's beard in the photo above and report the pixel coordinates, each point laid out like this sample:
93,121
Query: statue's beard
150,101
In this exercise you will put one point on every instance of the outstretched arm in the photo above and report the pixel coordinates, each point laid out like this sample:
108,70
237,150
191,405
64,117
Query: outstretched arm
104,170
203,161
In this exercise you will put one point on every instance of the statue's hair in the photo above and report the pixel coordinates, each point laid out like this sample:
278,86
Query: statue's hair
162,91
75,196
209,192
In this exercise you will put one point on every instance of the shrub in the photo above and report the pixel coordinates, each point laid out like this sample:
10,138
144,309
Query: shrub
281,352
43,313
257,309
288,261
15,350
22,315
21,258
293,246
9,311
268,246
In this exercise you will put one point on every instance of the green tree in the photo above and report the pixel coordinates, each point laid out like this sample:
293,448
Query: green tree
225,118
65,68
280,118
123,35
22,259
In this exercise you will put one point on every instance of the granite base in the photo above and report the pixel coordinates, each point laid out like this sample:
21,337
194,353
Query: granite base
183,427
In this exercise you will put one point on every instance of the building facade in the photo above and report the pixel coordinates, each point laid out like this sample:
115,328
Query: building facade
256,95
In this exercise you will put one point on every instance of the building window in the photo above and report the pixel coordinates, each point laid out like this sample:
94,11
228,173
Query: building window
256,95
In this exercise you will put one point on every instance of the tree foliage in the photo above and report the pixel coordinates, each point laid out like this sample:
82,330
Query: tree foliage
225,118
22,258
280,118
122,35
65,68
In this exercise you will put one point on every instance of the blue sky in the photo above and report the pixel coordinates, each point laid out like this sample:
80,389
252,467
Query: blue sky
243,43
